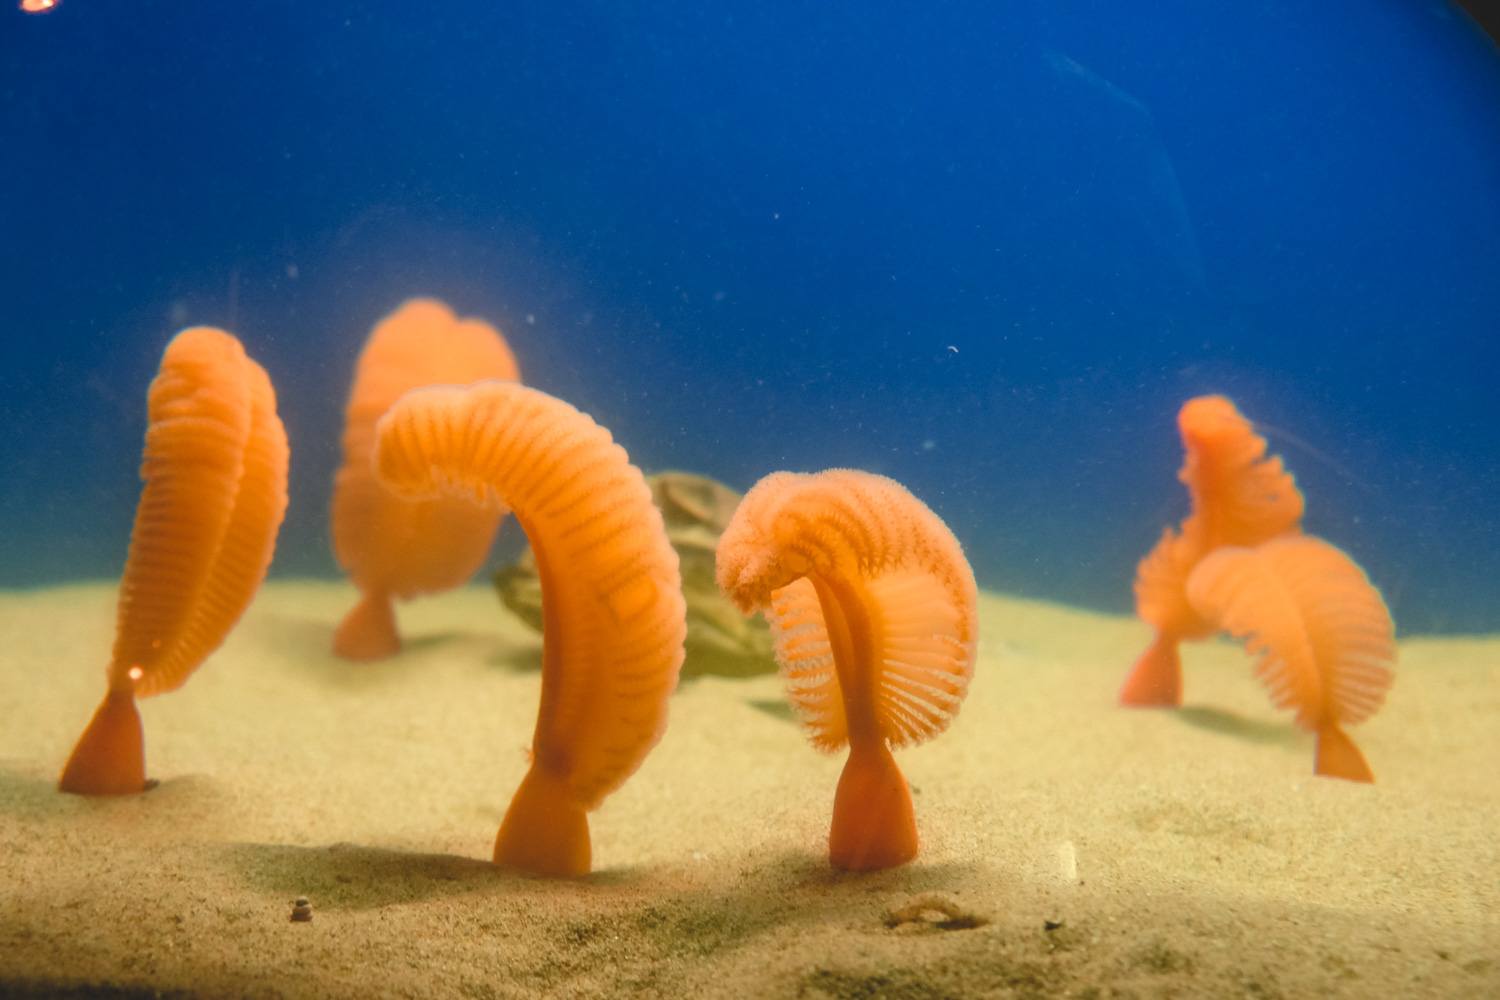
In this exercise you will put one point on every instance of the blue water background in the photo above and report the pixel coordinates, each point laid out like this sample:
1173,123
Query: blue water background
987,249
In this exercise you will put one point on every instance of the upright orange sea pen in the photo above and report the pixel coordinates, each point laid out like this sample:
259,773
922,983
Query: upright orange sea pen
1324,638
613,614
873,609
390,547
215,491
1240,496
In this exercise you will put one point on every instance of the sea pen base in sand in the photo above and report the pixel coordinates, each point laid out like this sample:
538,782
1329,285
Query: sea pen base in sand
544,831
368,631
874,826
1155,680
110,758
1338,757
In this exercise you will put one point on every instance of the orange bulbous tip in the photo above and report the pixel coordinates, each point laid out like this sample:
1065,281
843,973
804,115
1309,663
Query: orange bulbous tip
1207,420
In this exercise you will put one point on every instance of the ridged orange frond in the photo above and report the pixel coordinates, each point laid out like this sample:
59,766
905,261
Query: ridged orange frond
392,547
1240,496
806,659
614,617
867,533
1161,586
873,609
1323,636
215,470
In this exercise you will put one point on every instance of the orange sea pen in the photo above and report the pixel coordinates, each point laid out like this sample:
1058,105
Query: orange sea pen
215,492
399,548
1323,635
873,609
613,614
1240,496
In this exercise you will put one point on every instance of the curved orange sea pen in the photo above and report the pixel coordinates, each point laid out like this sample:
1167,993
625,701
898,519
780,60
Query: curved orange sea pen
1240,496
873,609
214,468
614,620
394,548
1324,638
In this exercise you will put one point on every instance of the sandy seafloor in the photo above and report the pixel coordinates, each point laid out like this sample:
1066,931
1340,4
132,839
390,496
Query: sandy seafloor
1170,854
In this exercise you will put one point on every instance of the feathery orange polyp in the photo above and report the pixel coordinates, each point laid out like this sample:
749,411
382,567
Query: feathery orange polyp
394,548
614,620
1324,638
873,609
214,470
1240,496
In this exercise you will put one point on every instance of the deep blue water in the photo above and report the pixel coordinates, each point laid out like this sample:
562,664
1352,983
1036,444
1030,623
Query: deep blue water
986,248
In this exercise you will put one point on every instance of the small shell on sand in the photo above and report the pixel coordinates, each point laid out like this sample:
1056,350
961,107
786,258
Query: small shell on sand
921,909
1067,861
301,910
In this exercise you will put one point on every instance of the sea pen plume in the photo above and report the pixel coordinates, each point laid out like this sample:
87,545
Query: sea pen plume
614,618
390,547
1240,496
1322,635
873,609
214,470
